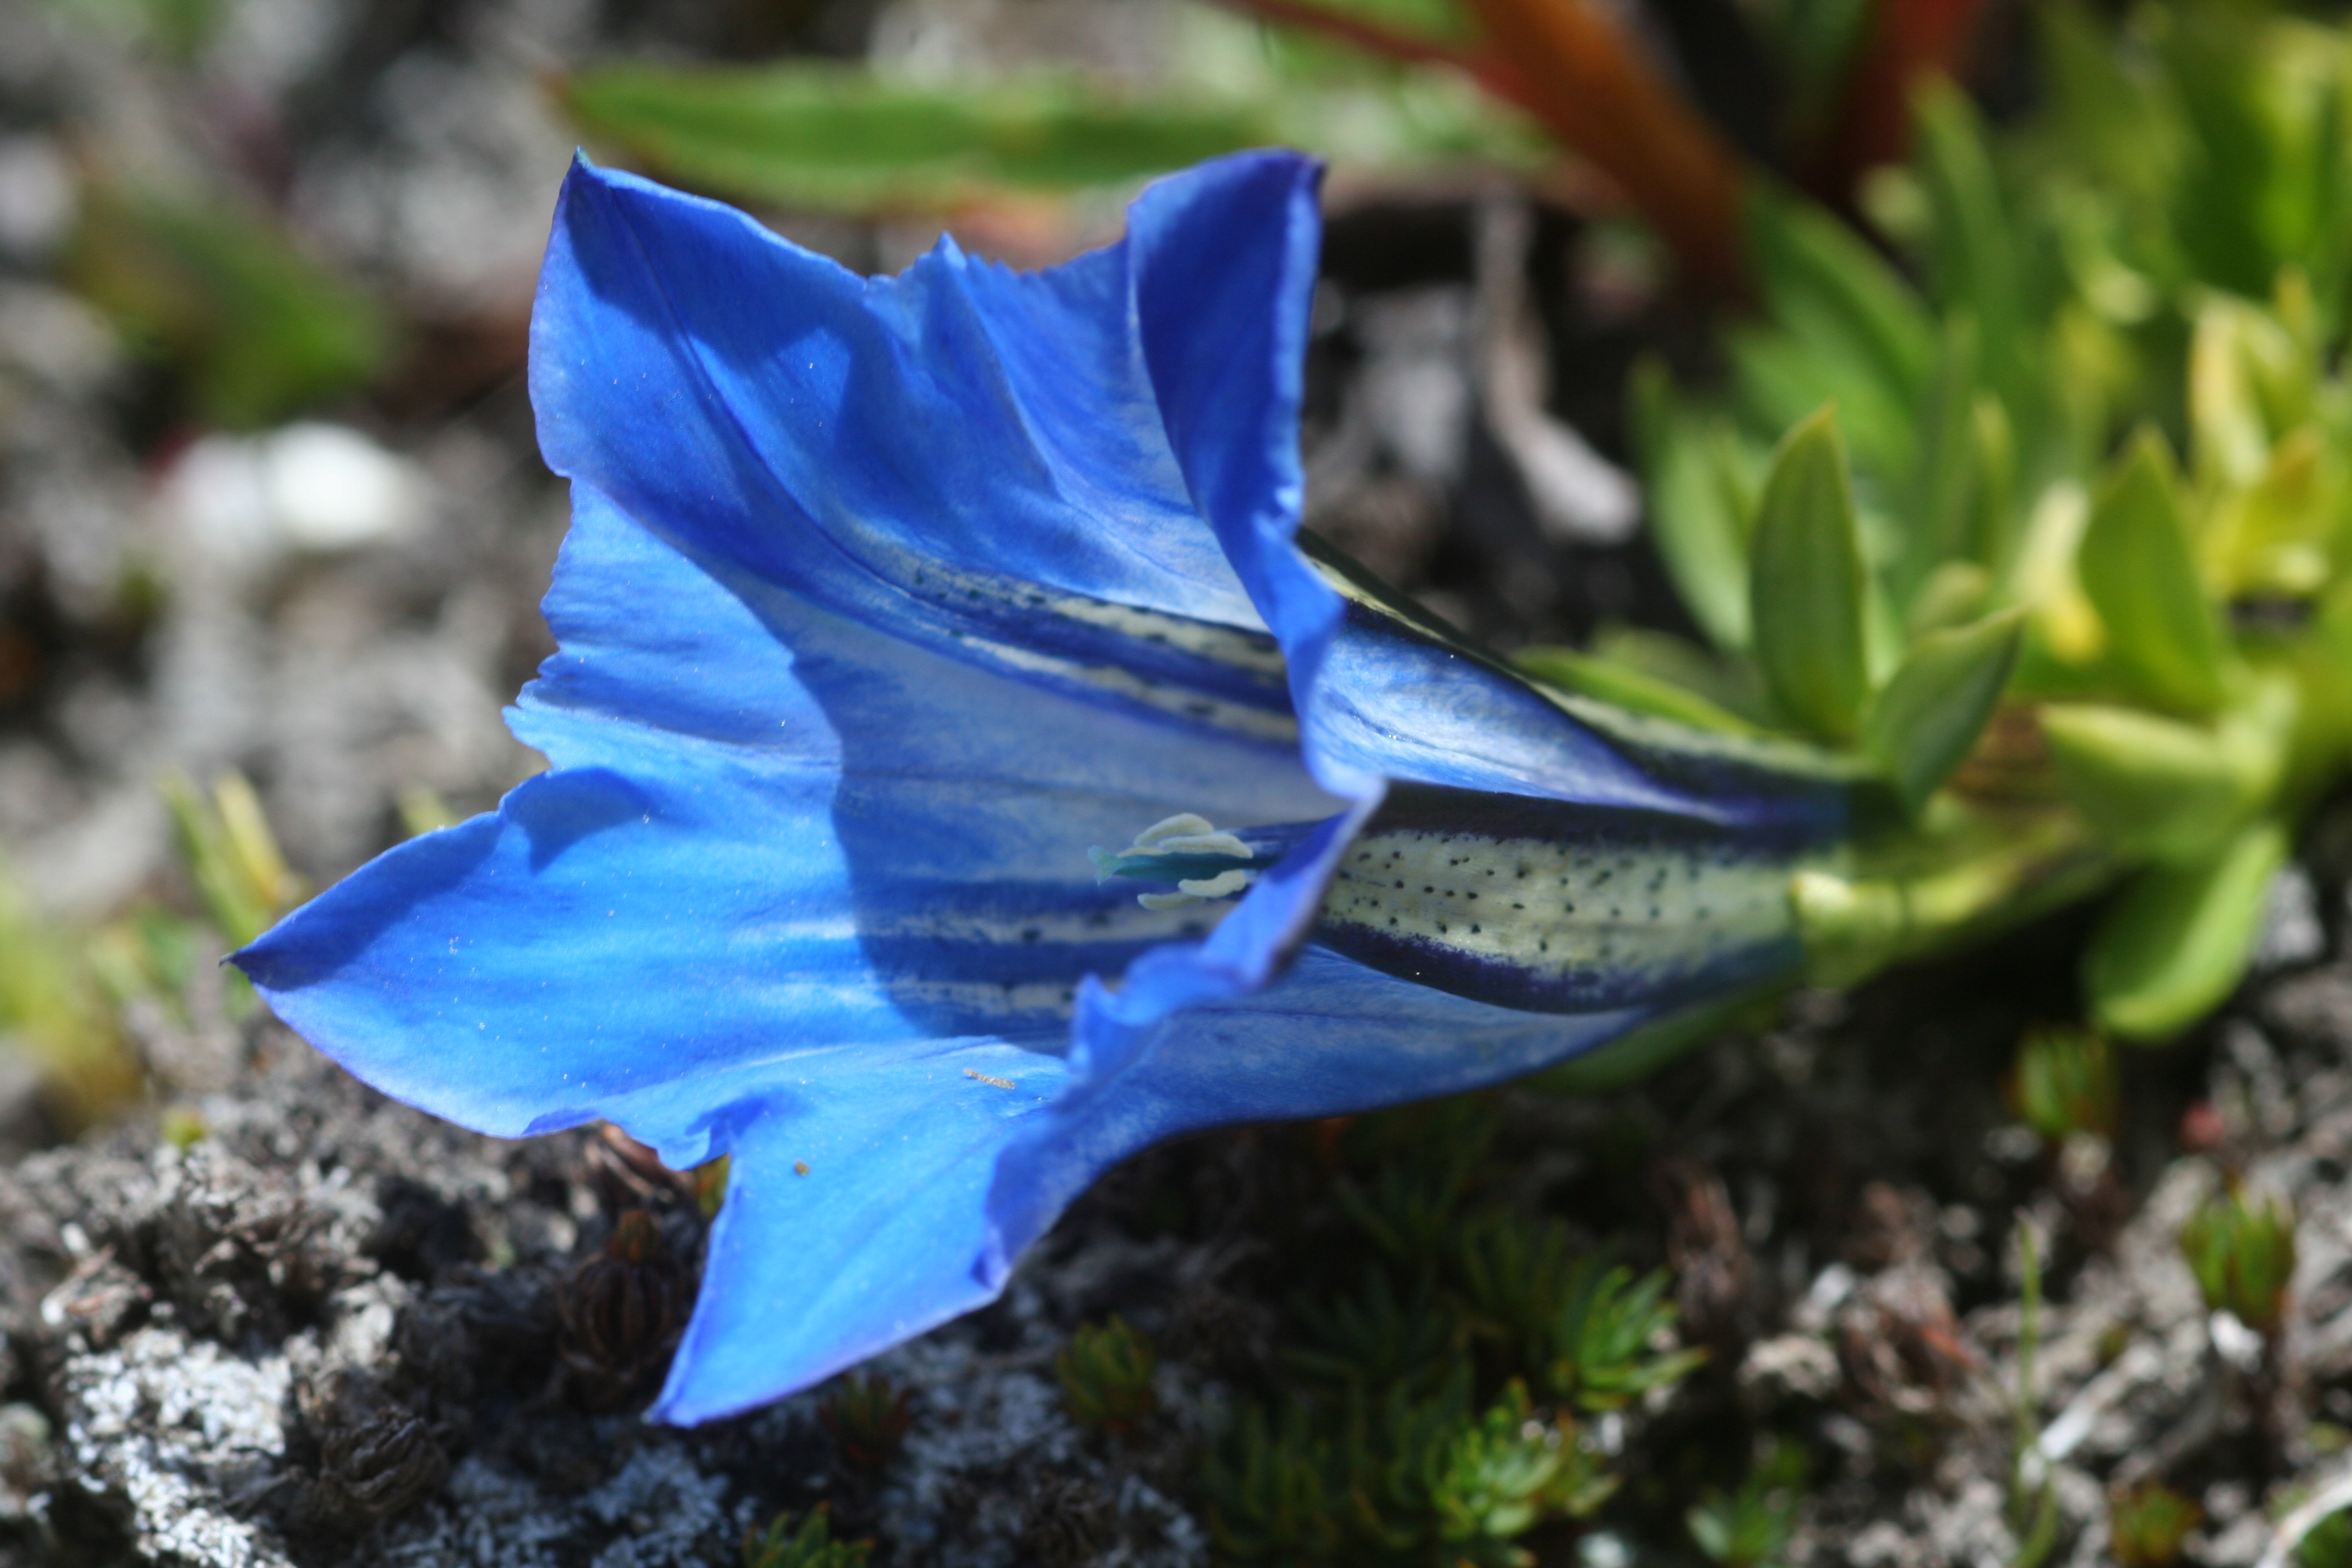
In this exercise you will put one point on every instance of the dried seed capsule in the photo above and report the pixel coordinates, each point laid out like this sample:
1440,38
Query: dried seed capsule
623,1310
376,1466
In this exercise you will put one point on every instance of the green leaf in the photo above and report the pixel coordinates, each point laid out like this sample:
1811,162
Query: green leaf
1954,595
1943,519
1974,261
2249,383
257,327
1922,724
1628,686
1814,45
2139,571
2173,945
2065,1083
1992,532
838,138
2273,539
2152,786
224,879
1862,329
1807,583
1695,515
1815,269
1780,378
52,1013
2112,117
2232,194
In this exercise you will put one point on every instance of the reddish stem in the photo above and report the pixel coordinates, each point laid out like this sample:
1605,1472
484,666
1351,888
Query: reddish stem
1909,39
1490,71
1593,89
1574,71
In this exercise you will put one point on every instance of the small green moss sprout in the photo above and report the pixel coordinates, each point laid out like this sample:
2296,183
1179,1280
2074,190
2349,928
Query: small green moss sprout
1613,1338
1106,1376
2065,1083
1751,1526
812,1545
2240,1246
2149,1525
869,1417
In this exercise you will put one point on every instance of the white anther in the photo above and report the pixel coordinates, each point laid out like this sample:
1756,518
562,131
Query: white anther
1187,834
1199,890
1183,822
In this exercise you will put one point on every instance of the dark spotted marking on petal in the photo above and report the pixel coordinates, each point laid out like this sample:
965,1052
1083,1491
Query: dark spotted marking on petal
1716,911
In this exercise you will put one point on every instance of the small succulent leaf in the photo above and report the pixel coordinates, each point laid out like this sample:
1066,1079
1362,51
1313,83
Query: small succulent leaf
1807,583
2047,577
2232,199
840,138
2139,571
1630,686
241,908
1700,529
1814,48
1778,378
1954,595
1974,260
1923,723
1942,514
1991,537
2119,117
2065,1083
2273,539
2149,1525
2242,1248
1732,684
260,328
1825,288
2154,786
2174,943
54,1007
2234,352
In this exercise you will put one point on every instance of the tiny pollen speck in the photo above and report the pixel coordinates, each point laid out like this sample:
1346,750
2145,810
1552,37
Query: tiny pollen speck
800,1167
999,1082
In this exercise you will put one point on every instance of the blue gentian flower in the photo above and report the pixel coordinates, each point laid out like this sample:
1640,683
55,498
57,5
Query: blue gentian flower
911,627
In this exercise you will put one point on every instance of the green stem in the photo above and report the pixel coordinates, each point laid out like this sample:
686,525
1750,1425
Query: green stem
1854,926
